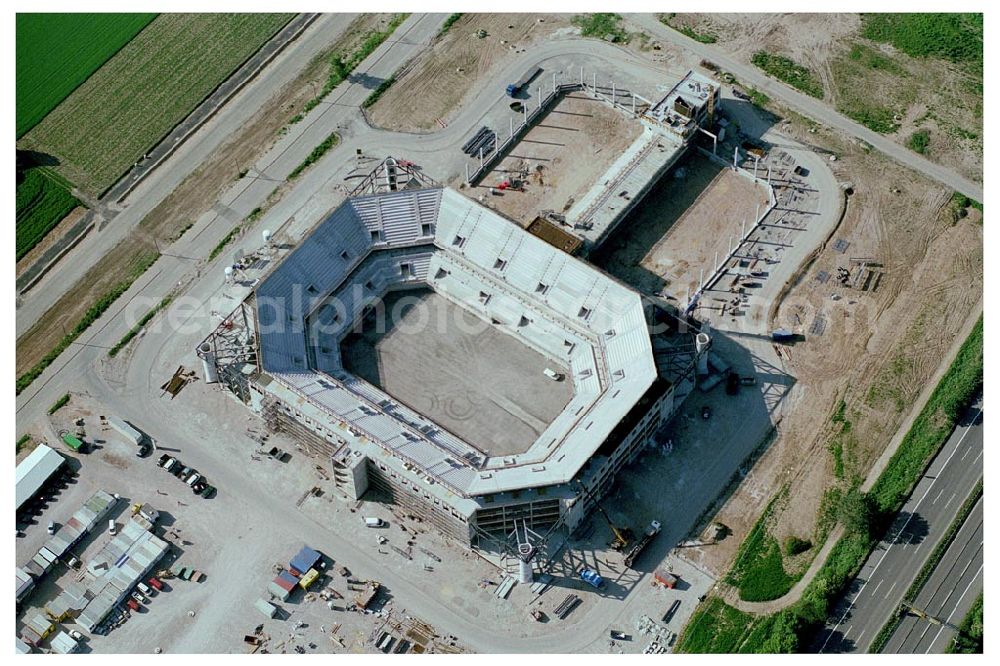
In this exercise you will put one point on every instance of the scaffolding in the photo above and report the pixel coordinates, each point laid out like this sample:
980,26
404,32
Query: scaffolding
229,353
390,175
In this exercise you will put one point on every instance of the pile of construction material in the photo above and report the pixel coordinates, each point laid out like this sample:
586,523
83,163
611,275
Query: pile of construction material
303,570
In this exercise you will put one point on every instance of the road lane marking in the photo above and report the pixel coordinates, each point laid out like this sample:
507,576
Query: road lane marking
850,605
878,586
950,500
934,501
891,589
948,619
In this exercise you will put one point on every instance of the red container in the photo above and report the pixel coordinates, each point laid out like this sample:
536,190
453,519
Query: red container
132,604
155,582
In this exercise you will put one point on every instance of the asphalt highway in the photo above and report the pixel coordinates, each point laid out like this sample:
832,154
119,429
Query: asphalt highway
879,587
948,594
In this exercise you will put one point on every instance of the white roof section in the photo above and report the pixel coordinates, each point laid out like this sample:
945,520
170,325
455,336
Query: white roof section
35,470
562,307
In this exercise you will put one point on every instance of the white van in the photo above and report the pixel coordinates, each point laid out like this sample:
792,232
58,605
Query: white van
112,528
553,375
374,522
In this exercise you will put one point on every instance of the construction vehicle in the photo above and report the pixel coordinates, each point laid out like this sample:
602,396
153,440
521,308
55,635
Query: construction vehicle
640,545
514,88
622,534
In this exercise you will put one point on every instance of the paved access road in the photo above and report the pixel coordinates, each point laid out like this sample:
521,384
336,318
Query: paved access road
879,587
948,595
812,107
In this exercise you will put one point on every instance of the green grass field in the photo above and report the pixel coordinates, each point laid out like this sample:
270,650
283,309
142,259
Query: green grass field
57,52
140,94
41,203
954,37
787,70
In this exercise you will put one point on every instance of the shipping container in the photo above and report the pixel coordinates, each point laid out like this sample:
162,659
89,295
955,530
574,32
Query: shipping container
308,579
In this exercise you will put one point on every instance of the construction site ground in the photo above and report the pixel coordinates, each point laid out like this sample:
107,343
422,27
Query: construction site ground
472,378
444,76
873,345
915,279
687,218
560,158
864,77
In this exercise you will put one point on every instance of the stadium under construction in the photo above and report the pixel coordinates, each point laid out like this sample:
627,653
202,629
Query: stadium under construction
442,358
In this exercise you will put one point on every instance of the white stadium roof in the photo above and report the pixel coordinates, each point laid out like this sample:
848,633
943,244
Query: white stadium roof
558,305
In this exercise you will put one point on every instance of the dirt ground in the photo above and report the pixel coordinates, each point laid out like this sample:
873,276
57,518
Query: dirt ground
454,64
178,211
686,218
480,383
574,144
872,345
922,93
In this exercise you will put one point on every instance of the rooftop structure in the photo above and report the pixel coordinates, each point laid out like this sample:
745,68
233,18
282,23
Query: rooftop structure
565,309
670,126
32,472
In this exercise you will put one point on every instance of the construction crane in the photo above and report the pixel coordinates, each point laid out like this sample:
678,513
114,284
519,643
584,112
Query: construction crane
622,534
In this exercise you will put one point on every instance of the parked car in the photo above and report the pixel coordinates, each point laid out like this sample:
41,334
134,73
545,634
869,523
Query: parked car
706,412
208,492
374,522
156,584
620,635
185,473
138,596
52,527
143,450
193,479
112,528
162,460
145,589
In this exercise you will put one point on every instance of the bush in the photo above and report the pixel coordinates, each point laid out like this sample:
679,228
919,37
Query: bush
602,26
795,545
787,70
876,118
317,153
378,92
703,37
448,22
954,37
758,570
59,404
970,633
22,441
134,331
919,141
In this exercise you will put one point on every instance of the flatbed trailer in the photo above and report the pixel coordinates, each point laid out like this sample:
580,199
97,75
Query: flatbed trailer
514,88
